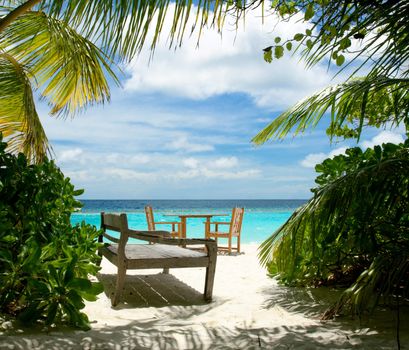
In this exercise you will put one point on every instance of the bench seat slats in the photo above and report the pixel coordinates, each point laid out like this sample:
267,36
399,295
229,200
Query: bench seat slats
155,251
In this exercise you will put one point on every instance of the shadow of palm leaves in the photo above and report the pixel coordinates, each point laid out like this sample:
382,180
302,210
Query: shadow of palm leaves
146,335
176,326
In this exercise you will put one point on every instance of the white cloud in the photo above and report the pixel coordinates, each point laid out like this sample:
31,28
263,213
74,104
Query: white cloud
223,168
312,159
129,174
192,163
182,144
225,162
81,175
116,158
233,64
206,173
385,136
70,154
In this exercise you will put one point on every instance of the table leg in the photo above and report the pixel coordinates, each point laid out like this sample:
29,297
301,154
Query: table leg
207,227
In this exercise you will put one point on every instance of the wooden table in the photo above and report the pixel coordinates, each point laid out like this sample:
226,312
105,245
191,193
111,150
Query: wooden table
183,218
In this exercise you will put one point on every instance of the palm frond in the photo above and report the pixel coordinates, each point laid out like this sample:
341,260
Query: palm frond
122,27
383,25
377,284
19,121
336,235
377,97
68,69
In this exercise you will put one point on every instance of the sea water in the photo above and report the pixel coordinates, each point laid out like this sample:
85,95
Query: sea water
261,217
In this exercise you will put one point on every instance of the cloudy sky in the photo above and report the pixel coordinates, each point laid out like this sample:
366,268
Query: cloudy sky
181,125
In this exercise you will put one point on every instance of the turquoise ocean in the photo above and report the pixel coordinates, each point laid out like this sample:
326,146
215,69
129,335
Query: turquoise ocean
261,217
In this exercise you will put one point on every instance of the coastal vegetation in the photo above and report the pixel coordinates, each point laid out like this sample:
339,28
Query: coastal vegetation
45,262
354,231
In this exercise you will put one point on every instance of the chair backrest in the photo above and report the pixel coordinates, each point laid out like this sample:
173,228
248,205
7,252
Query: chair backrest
236,221
114,222
149,218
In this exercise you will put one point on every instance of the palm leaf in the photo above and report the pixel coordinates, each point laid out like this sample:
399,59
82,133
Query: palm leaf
69,69
122,27
358,98
337,230
19,121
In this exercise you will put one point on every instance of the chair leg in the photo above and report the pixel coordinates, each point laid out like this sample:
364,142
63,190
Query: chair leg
120,279
238,244
229,245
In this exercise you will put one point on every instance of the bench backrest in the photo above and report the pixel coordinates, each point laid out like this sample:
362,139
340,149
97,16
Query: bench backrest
236,221
118,223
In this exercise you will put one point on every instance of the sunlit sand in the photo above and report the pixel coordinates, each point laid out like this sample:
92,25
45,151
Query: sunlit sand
249,310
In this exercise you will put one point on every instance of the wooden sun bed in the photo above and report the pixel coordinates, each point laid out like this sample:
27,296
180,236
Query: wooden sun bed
165,253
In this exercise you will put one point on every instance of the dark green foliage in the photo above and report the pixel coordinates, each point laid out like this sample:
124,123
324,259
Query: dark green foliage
337,25
354,232
370,36
44,261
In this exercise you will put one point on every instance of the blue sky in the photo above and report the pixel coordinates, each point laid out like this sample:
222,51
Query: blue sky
181,125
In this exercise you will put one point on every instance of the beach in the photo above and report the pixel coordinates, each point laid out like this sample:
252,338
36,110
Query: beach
249,311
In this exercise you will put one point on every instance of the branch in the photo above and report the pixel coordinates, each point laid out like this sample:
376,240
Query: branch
18,11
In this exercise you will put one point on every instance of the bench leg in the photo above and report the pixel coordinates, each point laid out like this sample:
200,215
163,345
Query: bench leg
166,270
120,279
210,272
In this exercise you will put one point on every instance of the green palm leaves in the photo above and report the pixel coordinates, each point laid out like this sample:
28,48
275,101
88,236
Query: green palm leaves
372,100
356,221
68,71
354,230
66,49
122,27
19,121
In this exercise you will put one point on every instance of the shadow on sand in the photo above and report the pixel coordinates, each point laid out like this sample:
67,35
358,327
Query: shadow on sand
177,327
152,335
154,290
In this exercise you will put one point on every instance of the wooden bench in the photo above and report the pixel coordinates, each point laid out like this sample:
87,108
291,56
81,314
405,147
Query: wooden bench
165,253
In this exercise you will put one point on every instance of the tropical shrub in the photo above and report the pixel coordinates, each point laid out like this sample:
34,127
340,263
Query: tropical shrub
44,261
353,232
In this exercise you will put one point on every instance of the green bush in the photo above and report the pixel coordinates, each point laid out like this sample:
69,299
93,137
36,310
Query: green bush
44,260
354,231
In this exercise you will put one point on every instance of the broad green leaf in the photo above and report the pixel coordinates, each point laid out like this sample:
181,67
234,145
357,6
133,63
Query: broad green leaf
340,60
278,51
309,12
268,55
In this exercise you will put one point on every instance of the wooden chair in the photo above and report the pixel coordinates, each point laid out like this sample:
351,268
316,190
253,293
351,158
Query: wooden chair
234,230
168,253
176,231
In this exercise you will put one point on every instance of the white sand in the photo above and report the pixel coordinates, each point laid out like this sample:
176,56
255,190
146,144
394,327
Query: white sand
249,311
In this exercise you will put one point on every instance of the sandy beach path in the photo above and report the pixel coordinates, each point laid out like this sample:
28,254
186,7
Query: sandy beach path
249,311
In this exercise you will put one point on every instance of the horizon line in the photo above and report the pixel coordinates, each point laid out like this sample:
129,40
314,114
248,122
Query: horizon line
193,199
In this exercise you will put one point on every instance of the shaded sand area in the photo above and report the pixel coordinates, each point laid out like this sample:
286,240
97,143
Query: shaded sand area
249,311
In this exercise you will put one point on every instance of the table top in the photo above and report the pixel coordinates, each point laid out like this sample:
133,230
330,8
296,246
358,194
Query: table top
196,215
